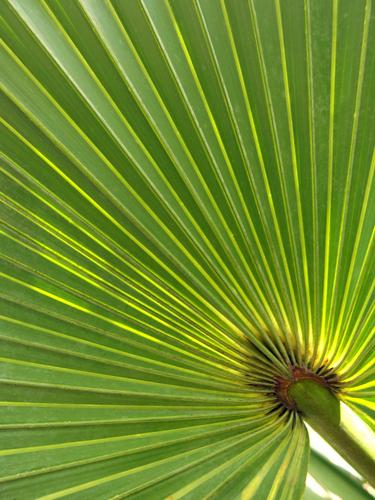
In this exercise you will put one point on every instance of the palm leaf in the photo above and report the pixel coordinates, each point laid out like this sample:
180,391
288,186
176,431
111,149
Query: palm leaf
186,214
329,477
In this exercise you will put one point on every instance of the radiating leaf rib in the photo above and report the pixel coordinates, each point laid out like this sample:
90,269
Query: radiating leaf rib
186,216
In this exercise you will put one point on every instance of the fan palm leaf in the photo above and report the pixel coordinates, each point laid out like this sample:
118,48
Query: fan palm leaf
187,201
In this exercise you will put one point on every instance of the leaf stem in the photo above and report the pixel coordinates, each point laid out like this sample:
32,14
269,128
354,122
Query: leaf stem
338,424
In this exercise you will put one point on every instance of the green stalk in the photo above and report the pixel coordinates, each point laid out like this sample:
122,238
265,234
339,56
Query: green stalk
337,424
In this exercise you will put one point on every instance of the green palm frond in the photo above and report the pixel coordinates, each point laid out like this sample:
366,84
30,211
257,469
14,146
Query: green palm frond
187,202
326,479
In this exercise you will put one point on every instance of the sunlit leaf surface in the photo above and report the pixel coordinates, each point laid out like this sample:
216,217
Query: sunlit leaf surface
187,212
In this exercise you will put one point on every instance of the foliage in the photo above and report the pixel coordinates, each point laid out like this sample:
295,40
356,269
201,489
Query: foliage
186,212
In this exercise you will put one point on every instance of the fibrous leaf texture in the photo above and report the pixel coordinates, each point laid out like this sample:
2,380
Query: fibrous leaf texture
186,213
